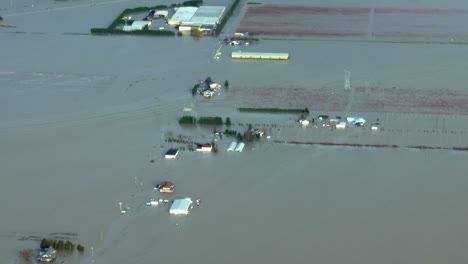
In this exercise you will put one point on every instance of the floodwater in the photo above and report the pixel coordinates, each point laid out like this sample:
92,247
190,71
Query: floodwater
82,116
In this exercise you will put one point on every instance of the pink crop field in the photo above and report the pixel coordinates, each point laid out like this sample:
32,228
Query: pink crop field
363,23
305,21
426,24
358,99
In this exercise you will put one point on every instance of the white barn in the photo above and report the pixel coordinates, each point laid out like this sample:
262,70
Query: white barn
181,206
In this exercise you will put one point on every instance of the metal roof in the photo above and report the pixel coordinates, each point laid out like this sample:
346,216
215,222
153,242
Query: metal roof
183,14
172,151
131,28
180,205
140,23
261,54
208,15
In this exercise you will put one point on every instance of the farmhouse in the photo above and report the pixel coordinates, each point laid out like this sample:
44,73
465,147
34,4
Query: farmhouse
47,255
204,147
166,187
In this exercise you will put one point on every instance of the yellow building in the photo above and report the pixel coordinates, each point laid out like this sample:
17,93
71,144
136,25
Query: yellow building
260,55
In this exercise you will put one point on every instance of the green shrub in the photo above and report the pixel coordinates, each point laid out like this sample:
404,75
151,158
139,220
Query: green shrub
210,120
228,121
195,89
80,248
273,110
187,120
135,32
195,3
44,243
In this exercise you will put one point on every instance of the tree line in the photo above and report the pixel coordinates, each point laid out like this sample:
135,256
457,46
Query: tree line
61,245
206,120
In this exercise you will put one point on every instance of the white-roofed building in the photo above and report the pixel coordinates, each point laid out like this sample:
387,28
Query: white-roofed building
182,15
141,23
208,15
131,28
180,206
161,13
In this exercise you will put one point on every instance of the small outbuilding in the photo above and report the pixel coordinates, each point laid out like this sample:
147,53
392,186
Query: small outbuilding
161,14
181,206
172,153
359,121
141,23
131,28
215,86
341,125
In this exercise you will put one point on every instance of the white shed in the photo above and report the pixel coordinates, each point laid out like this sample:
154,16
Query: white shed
141,23
181,206
161,13
240,147
171,153
131,28
359,121
232,146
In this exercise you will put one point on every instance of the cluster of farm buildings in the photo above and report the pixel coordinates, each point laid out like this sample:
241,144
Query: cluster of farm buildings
204,18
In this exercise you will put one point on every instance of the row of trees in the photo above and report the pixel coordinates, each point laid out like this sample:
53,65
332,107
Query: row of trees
274,110
60,245
207,120
144,31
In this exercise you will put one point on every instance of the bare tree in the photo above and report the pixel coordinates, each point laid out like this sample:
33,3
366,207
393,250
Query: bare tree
26,254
